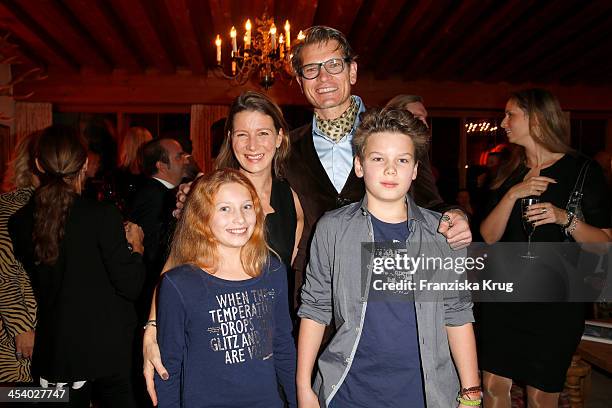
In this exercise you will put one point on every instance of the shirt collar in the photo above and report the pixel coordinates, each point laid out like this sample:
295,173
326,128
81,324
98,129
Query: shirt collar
166,184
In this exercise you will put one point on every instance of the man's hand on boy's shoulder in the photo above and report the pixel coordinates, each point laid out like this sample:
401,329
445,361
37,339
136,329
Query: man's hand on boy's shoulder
455,227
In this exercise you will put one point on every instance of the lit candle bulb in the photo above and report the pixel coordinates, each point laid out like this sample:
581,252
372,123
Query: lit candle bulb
234,44
245,46
287,36
218,44
281,46
273,37
301,36
247,35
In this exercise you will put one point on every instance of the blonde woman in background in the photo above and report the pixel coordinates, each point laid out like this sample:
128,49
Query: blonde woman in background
17,302
129,177
135,137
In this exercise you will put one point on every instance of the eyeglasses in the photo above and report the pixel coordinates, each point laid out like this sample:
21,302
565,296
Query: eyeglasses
333,66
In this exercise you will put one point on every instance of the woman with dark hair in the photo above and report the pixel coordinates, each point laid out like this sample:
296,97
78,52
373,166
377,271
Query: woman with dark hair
256,144
533,343
84,277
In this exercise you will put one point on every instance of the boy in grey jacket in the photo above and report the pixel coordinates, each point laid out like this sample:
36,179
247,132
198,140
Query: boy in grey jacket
393,343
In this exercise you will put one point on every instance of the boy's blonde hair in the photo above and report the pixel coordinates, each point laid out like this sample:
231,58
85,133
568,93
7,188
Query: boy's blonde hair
393,120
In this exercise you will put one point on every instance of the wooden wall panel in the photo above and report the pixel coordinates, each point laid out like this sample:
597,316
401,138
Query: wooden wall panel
202,118
30,117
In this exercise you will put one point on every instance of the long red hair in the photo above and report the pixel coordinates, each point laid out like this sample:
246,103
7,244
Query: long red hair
194,242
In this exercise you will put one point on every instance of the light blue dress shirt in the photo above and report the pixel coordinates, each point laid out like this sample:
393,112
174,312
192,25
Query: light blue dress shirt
336,158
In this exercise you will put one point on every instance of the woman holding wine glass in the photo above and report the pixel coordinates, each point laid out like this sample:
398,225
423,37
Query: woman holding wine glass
533,343
528,225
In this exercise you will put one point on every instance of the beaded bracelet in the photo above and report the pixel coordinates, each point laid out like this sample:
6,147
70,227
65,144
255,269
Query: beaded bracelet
570,218
570,230
467,402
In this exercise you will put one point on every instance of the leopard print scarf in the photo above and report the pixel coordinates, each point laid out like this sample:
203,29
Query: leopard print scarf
337,128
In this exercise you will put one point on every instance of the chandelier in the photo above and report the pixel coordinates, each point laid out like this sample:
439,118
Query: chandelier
263,53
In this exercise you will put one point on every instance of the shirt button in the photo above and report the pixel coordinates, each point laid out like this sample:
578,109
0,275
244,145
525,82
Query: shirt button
333,386
357,329
347,360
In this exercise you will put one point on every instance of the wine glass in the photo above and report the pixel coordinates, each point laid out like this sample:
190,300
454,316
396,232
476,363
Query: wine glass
528,225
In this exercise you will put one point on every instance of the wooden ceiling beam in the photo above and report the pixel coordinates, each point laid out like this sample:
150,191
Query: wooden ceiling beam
145,35
522,35
339,14
134,90
284,10
547,69
542,46
394,41
432,65
180,15
472,41
221,13
592,72
26,57
373,21
400,37
301,14
430,22
103,27
28,32
57,21
204,30
584,60
443,35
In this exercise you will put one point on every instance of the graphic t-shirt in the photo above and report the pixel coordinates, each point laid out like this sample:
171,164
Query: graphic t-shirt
386,369
225,342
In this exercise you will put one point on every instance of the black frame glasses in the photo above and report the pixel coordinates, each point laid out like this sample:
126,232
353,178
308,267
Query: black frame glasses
333,66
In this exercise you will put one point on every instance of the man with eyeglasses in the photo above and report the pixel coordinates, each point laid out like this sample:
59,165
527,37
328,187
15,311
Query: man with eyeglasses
320,169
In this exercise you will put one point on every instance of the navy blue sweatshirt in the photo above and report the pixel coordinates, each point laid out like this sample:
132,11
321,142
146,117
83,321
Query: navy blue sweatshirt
225,343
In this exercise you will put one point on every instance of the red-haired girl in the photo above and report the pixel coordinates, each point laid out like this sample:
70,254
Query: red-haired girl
223,322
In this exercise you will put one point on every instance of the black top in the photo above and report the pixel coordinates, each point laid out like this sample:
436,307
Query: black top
534,342
281,224
126,185
595,202
152,210
86,317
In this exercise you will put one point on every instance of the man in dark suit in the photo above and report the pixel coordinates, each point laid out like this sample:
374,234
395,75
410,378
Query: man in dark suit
163,162
320,168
